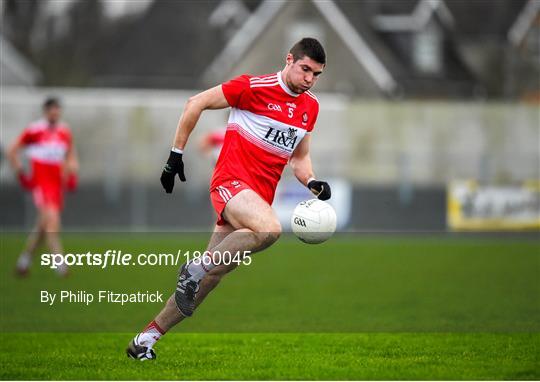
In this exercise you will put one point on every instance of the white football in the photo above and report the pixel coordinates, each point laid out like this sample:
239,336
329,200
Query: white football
313,221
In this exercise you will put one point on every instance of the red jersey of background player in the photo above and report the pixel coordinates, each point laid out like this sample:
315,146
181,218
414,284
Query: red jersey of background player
46,147
211,144
266,123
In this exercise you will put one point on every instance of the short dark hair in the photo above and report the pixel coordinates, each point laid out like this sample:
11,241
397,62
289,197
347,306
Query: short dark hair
308,47
51,102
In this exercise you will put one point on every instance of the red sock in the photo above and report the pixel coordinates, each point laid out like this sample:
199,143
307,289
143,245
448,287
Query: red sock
153,325
150,334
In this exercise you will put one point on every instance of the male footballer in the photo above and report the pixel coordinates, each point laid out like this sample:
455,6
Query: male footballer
54,165
270,124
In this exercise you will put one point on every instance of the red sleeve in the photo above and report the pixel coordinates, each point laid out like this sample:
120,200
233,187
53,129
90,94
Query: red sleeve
27,137
315,109
235,89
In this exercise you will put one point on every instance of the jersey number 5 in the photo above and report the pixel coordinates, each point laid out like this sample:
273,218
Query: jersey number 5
291,112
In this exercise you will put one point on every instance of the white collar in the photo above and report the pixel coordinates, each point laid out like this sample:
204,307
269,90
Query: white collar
284,86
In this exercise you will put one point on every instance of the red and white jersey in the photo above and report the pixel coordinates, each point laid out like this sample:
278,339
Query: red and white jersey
266,123
47,147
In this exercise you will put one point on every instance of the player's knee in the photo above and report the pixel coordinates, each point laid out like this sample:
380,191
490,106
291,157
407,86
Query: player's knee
275,229
42,222
52,222
272,237
271,233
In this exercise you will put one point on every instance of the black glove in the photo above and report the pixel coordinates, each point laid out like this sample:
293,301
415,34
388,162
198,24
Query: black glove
174,166
320,189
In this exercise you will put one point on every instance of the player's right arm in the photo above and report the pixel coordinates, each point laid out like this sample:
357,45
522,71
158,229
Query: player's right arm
15,162
210,99
72,168
13,156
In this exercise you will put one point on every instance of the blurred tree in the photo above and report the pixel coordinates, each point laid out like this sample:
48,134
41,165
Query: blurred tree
69,58
18,21
167,47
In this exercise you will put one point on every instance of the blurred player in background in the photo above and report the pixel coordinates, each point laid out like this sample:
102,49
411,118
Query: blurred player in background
48,143
270,124
211,143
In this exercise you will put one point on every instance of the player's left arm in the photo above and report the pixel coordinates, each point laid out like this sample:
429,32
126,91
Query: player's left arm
72,167
13,151
72,161
13,156
300,163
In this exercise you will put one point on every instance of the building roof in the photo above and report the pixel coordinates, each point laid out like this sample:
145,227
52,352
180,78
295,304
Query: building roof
15,68
179,44
262,18
152,50
526,18
417,19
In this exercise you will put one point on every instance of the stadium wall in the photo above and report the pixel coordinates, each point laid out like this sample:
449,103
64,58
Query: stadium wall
145,207
398,156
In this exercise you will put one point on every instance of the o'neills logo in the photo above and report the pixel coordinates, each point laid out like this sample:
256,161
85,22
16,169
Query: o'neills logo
285,139
304,119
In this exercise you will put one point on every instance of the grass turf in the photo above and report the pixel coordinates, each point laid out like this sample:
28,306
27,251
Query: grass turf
352,308
245,356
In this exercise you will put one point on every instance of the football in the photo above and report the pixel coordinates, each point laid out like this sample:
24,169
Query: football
313,221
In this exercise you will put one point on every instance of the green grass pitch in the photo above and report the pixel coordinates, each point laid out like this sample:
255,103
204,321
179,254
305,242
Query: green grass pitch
357,307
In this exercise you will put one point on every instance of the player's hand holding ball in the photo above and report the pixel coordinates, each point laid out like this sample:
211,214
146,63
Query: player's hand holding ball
174,165
320,189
